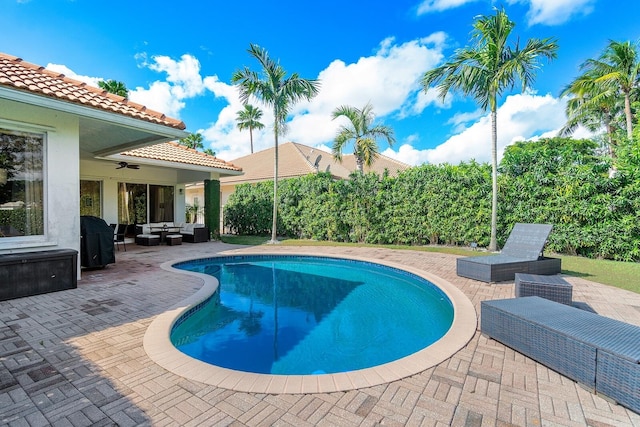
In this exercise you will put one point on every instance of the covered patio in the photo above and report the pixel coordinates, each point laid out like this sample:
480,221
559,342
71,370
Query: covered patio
76,358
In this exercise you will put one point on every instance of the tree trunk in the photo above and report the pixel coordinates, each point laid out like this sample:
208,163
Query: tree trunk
612,149
628,116
493,243
274,233
359,164
251,138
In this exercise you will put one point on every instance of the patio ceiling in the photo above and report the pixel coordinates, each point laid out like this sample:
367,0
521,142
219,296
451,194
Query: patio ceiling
99,138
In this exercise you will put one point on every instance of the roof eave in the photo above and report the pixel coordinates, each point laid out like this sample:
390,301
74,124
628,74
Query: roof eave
164,131
173,165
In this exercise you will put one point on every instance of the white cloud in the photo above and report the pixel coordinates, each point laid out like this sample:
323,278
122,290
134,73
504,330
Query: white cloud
430,97
183,81
460,120
160,96
408,154
63,69
428,6
554,12
183,74
521,117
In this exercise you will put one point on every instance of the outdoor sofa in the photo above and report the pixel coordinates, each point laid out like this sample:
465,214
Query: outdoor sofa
601,353
190,232
194,233
522,253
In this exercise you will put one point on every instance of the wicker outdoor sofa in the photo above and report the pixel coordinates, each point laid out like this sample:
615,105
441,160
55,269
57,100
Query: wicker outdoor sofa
522,253
599,352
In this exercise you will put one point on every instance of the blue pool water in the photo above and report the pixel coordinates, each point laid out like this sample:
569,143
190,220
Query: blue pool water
301,315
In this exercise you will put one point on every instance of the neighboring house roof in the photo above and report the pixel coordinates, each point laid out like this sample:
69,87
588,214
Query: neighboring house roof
296,159
174,152
20,75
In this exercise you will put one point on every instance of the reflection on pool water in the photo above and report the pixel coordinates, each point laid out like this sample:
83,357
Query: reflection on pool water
306,315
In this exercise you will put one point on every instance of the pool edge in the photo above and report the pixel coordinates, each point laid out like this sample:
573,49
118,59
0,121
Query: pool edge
159,348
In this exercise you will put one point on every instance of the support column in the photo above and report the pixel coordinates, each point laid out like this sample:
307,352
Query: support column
212,207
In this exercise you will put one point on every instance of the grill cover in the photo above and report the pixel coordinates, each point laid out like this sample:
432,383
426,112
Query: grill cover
96,242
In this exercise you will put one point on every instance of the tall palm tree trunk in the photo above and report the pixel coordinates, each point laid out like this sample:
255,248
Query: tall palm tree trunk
628,115
274,234
359,164
251,138
493,243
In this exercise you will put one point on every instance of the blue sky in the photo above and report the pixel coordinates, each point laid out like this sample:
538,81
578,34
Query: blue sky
178,58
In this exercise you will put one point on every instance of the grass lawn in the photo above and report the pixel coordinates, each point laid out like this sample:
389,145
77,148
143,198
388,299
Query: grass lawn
624,275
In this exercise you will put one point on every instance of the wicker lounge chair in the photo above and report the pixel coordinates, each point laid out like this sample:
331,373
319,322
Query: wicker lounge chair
522,253
599,352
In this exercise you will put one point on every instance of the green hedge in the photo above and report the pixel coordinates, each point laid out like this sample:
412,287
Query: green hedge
560,181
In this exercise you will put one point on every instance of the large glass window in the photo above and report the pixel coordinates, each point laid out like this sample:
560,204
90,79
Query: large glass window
132,203
21,183
160,203
142,203
90,198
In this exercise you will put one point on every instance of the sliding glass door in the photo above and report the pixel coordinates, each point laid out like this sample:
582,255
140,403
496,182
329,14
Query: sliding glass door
144,203
160,203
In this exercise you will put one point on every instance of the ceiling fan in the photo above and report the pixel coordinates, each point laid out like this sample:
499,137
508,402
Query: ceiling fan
123,165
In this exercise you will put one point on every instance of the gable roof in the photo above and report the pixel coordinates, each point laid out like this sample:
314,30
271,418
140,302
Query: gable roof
24,76
176,153
296,159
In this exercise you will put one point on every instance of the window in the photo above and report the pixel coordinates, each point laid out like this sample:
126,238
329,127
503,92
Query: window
132,203
21,183
142,203
160,203
90,198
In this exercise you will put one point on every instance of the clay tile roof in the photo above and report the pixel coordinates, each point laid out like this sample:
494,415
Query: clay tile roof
174,152
18,74
296,159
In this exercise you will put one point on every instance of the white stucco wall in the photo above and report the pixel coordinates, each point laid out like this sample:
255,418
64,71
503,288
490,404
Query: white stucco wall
106,172
61,169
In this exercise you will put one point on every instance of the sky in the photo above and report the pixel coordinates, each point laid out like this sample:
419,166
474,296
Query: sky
178,58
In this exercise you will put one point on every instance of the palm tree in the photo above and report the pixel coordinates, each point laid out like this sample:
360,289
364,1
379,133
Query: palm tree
485,70
363,134
249,118
115,87
209,151
193,140
593,105
618,67
277,91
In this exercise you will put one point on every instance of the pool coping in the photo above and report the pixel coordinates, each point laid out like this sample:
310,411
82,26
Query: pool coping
159,348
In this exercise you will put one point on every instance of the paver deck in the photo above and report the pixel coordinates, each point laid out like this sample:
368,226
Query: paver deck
75,358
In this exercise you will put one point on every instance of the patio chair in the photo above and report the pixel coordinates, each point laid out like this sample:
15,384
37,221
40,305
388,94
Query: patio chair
522,253
119,232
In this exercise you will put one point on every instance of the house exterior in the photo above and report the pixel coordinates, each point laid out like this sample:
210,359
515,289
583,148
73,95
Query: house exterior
295,160
61,144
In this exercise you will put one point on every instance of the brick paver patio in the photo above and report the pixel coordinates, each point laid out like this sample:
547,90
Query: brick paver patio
75,358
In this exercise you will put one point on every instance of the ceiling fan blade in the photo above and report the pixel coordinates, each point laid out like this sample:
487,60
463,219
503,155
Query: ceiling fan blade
122,165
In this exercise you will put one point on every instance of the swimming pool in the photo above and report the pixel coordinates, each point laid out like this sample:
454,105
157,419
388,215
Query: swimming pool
306,315
159,348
